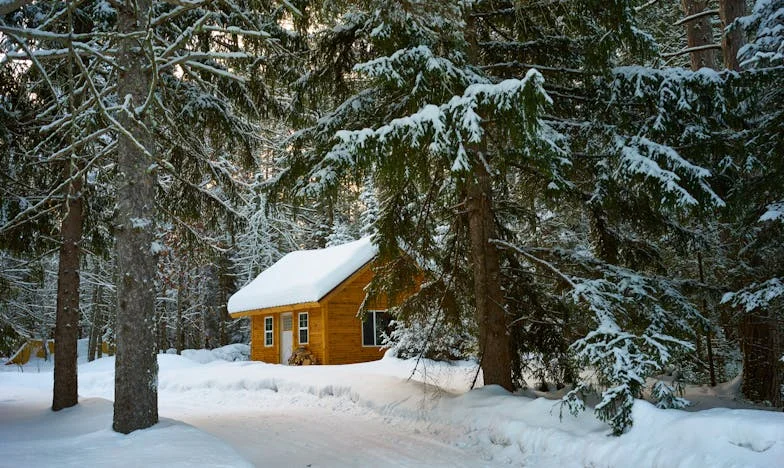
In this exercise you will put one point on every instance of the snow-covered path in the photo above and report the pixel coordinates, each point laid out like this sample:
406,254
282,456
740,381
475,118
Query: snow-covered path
319,437
300,429
254,414
293,427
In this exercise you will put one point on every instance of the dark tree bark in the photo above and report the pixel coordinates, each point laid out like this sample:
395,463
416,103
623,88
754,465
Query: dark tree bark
711,360
225,289
163,336
494,339
95,330
66,331
179,341
708,345
136,369
760,331
491,315
699,32
760,335
731,42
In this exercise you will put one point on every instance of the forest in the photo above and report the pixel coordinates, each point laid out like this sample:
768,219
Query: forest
592,192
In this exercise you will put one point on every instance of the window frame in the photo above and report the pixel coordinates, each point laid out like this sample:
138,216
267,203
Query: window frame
300,328
269,333
372,313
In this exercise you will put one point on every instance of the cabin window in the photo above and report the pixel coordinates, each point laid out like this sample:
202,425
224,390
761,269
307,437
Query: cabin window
303,328
268,331
376,323
285,322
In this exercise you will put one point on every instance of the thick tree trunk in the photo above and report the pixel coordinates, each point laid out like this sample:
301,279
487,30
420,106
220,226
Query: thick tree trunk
490,311
731,42
136,369
494,340
760,334
66,332
761,346
699,32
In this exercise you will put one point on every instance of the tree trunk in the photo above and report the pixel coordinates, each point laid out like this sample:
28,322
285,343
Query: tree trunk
491,315
494,340
99,340
699,32
760,333
136,369
761,346
711,361
163,336
225,289
95,330
160,320
179,341
66,331
204,333
704,311
731,42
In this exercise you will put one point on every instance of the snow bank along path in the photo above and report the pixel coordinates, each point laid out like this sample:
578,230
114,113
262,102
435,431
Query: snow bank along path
369,414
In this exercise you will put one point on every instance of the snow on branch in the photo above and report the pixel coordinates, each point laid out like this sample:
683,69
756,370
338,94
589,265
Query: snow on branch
404,61
445,129
775,212
756,295
765,24
661,163
215,71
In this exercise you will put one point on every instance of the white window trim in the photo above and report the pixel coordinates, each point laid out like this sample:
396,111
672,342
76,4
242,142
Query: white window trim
271,332
300,328
372,313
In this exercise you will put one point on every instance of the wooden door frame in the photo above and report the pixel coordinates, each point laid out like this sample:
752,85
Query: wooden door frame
280,337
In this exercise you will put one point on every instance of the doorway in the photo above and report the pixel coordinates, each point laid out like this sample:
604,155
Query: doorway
286,338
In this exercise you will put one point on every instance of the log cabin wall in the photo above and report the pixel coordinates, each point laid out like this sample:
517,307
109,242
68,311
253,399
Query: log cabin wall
271,354
344,329
315,342
259,352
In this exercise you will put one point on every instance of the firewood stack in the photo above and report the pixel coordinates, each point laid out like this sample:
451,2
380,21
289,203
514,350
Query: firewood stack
302,357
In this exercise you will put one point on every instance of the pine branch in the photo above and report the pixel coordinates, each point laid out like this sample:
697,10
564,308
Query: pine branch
689,50
696,16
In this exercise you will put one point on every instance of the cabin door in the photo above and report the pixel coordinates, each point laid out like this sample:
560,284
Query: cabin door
286,338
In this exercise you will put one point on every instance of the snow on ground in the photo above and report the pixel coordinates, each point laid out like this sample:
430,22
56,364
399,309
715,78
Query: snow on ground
359,415
32,435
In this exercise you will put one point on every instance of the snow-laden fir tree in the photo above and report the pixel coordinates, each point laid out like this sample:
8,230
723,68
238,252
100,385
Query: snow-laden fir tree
501,184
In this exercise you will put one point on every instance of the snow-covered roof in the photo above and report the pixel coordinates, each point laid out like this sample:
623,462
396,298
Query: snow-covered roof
303,276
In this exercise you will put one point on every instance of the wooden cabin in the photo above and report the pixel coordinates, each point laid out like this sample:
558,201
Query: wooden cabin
310,299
